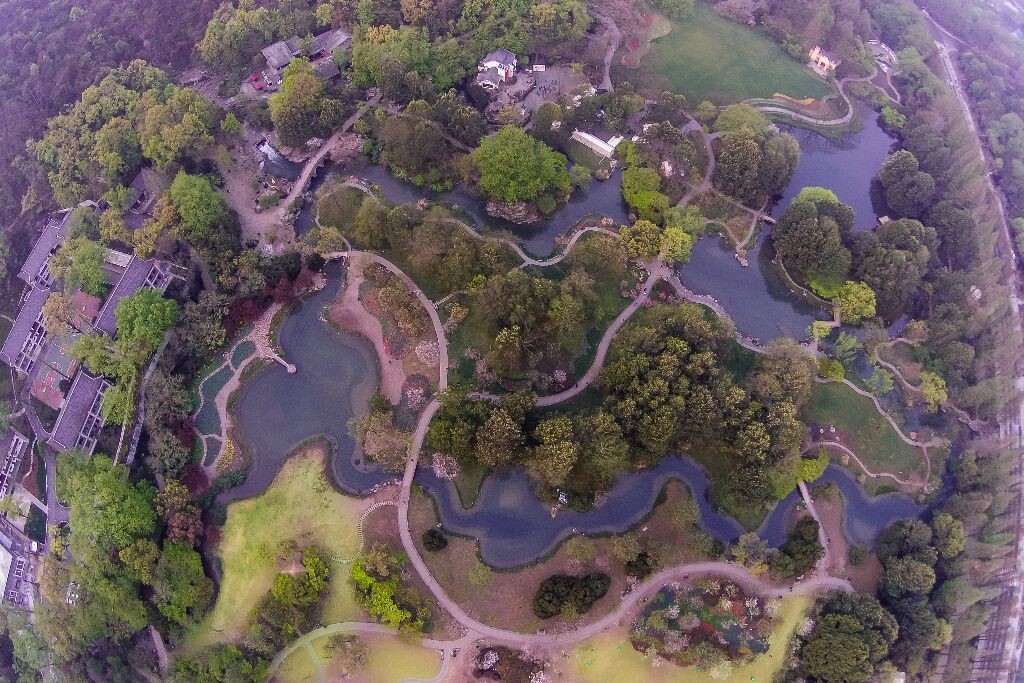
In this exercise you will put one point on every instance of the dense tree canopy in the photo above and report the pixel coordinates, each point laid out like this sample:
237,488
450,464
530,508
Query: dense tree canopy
513,167
809,238
302,109
134,113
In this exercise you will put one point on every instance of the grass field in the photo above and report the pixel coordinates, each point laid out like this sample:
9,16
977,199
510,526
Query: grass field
708,57
299,505
609,657
874,440
390,660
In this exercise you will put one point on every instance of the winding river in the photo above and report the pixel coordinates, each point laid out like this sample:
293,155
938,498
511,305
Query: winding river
337,373
514,527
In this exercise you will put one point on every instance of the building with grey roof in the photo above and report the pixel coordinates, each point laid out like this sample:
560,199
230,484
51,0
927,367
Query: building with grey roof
25,341
327,42
13,446
136,275
326,69
34,270
279,55
81,419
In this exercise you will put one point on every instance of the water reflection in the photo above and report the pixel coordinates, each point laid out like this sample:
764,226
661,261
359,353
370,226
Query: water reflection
847,167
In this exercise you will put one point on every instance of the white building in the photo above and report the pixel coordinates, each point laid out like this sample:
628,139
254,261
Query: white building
605,149
496,68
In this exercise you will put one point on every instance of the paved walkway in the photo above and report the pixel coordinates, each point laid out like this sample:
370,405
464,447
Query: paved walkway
260,337
836,122
314,162
874,475
657,272
821,566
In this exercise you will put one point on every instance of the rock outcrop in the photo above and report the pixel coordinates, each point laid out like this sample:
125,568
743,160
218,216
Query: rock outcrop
514,212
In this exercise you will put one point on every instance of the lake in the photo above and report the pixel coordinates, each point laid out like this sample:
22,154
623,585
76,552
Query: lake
336,373
847,167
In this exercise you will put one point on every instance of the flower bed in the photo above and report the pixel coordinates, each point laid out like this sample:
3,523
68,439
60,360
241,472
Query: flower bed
710,624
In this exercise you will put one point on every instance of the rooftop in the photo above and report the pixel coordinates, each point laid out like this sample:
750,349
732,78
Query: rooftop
23,343
326,69
81,419
278,55
49,240
145,188
137,274
328,41
501,56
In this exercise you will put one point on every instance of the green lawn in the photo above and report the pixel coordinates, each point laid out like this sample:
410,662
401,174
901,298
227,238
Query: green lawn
390,660
875,441
608,657
708,57
299,505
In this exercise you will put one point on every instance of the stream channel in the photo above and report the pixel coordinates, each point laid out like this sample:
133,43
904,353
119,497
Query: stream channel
336,374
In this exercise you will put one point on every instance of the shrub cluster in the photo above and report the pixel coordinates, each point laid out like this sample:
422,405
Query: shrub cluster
558,592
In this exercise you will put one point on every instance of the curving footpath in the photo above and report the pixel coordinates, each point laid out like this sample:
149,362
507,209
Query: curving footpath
804,118
874,475
306,642
476,630
656,273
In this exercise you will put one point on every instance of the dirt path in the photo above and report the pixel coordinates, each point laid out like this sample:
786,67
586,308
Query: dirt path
874,475
349,314
615,36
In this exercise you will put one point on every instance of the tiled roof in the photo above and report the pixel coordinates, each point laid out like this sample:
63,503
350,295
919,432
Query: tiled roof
132,280
277,55
326,69
329,40
79,413
501,56
49,239
23,324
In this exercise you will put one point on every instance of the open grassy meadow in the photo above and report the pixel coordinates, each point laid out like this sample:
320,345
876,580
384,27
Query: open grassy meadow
873,439
301,506
708,57
610,656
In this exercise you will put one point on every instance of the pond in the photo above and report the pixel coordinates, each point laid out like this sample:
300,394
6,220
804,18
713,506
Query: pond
514,527
336,373
601,197
846,167
756,298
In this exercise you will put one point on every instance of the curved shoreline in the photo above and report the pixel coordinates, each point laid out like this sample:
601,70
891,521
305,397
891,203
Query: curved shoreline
537,536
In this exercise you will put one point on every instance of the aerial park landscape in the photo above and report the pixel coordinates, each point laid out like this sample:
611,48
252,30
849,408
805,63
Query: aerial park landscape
622,341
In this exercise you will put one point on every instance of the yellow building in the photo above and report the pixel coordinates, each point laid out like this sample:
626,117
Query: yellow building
823,61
